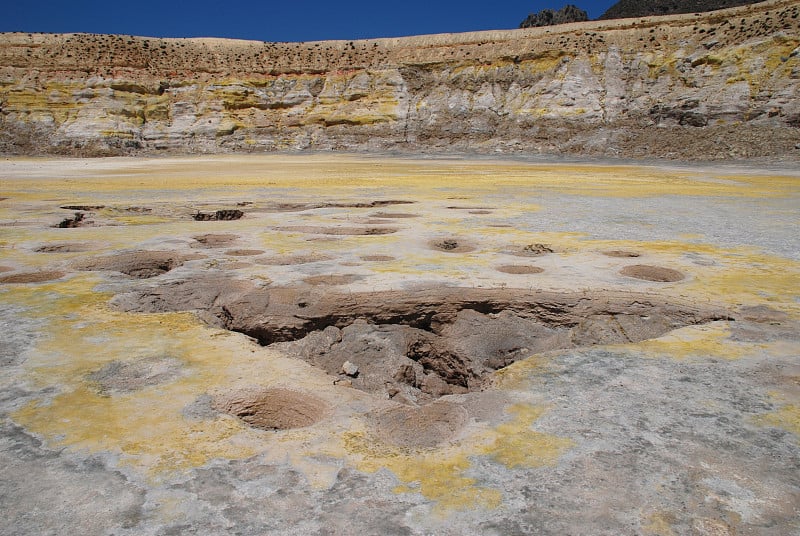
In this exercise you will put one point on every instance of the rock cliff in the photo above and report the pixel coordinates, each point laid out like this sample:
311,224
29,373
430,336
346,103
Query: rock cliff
716,85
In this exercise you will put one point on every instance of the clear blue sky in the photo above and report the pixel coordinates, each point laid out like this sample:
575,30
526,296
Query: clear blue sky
287,20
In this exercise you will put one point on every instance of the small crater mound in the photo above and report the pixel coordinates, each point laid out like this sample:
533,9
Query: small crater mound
451,245
378,258
420,427
86,208
621,253
393,215
469,208
339,231
533,250
652,273
219,215
762,314
518,269
243,252
214,240
129,376
32,277
331,279
138,264
272,409
63,248
291,260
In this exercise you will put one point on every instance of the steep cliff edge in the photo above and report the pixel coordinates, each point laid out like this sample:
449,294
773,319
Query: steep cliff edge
716,85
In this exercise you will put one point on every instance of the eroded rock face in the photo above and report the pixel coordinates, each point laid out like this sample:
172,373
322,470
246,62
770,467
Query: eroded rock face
416,346
719,85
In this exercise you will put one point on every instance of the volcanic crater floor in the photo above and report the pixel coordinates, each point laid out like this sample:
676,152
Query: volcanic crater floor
364,345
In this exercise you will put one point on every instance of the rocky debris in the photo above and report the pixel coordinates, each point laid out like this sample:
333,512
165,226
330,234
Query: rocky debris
219,215
652,273
349,369
70,223
416,346
549,17
138,264
684,114
272,409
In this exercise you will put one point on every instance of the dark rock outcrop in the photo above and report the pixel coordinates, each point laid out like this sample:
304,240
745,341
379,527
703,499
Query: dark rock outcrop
626,9
549,17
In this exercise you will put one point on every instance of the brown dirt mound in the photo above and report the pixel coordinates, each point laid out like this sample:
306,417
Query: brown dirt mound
331,279
6,269
519,269
63,248
451,245
621,253
243,252
139,264
128,376
652,273
378,258
273,409
420,427
339,231
215,240
290,260
32,277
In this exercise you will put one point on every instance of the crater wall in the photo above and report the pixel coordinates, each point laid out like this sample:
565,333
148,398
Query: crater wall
699,86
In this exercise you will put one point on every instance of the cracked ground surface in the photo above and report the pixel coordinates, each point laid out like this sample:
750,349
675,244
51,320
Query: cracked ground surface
539,348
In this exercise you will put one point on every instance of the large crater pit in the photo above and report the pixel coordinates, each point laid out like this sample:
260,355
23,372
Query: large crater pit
416,346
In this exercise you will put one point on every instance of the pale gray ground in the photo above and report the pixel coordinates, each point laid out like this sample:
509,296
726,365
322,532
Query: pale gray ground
655,438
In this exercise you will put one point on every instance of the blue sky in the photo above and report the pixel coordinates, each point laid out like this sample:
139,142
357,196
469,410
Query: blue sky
286,20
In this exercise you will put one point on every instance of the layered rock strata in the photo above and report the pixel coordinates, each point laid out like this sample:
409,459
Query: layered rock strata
714,85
